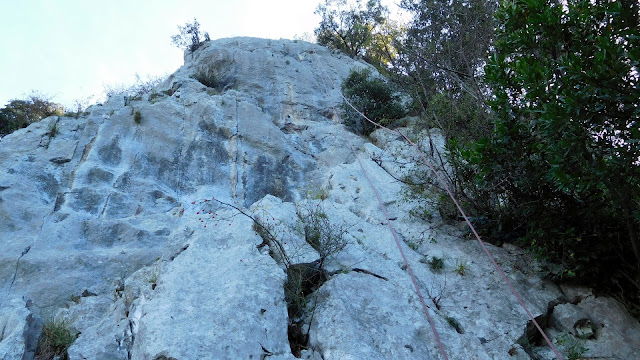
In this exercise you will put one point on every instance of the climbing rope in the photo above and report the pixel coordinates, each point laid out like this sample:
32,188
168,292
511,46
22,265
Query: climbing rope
395,235
448,190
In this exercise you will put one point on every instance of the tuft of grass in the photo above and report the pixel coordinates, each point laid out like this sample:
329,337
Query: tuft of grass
137,117
322,194
75,298
55,339
461,267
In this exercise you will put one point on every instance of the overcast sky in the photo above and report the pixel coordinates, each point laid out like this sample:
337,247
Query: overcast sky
69,48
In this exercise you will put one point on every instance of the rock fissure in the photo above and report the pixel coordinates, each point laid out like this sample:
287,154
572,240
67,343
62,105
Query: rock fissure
15,272
83,159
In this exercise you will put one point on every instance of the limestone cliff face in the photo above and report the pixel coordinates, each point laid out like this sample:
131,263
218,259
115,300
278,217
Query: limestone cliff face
105,223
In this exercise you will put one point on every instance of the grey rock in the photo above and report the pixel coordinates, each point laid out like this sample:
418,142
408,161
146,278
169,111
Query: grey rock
112,224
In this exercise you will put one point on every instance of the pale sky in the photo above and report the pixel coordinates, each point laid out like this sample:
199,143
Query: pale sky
69,49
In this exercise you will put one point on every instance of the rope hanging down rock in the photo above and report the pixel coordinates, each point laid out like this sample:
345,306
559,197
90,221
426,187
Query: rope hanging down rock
475,233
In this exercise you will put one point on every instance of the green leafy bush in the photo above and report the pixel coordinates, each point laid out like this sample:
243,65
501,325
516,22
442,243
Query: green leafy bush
349,27
561,171
373,97
137,117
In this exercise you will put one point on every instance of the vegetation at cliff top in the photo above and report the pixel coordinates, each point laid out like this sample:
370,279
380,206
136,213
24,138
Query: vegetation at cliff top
18,114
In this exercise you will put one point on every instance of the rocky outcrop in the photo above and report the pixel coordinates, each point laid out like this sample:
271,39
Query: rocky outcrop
143,235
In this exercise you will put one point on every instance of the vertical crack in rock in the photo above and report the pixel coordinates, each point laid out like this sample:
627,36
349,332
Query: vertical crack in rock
302,281
532,337
85,154
234,152
15,273
31,335
106,202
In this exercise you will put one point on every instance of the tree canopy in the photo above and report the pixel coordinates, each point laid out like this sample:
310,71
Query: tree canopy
18,114
357,29
562,164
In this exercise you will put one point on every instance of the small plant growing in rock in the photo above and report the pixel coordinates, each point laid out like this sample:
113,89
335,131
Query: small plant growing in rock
436,263
326,238
153,280
461,267
55,339
154,97
53,131
454,324
321,194
413,246
575,347
137,117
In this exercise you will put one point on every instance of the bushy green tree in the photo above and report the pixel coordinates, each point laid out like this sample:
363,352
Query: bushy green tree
355,28
561,170
372,96
18,114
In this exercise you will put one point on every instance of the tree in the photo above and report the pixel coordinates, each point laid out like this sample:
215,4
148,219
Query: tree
190,36
19,114
440,63
446,46
349,27
562,168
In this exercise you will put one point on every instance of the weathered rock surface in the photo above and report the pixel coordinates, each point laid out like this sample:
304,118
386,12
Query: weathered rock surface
113,225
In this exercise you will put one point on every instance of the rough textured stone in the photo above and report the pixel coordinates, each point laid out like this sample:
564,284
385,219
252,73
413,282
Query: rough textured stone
106,224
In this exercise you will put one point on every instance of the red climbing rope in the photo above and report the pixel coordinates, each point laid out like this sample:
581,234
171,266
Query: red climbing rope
446,187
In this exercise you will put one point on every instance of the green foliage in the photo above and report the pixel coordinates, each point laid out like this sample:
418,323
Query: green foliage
561,169
189,37
154,97
349,27
573,347
460,117
55,339
137,117
19,114
374,97
53,130
436,263
461,267
446,45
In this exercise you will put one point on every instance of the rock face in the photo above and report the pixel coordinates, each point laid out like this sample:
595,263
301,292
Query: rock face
123,229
